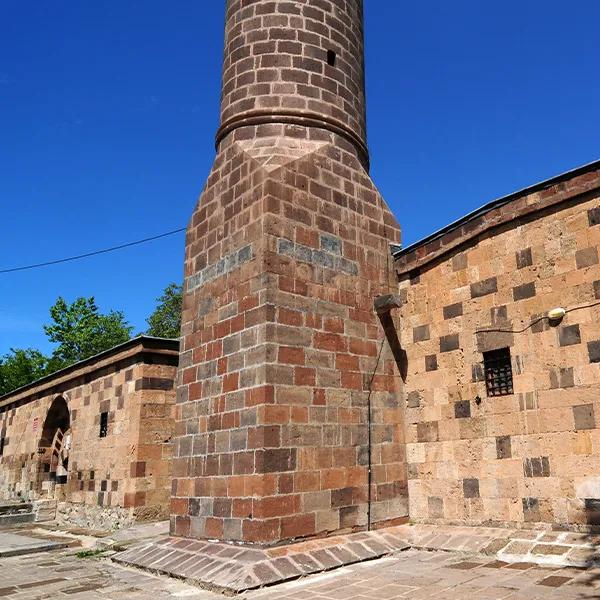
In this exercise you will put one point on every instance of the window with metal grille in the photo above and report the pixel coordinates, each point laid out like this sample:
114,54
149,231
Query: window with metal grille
498,372
103,424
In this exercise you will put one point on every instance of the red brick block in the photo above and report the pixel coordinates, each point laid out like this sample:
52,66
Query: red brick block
362,347
195,391
319,397
134,499
289,317
189,375
290,355
259,395
285,483
241,508
275,414
352,381
214,528
179,506
181,526
298,526
330,341
304,376
334,325
257,531
230,382
275,506
347,362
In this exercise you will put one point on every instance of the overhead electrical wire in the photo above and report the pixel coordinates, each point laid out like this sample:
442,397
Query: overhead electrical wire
94,253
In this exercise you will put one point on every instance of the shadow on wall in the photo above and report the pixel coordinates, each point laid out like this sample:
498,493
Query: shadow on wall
592,513
391,334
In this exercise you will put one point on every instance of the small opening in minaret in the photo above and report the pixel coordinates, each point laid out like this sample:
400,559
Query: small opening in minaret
331,58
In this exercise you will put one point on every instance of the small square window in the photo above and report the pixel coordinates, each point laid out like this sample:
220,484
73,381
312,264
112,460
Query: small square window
498,372
103,424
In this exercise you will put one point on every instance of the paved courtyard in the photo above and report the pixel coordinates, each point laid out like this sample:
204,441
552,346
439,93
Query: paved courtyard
411,574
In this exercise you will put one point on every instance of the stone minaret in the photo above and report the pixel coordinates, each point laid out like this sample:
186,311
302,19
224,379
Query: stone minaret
285,253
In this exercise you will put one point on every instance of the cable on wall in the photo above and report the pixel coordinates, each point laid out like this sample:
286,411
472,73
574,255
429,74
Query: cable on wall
535,321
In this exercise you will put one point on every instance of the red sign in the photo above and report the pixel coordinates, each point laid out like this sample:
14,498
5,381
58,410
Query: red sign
35,423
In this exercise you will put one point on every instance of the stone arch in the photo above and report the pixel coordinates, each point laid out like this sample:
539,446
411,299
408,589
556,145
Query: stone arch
53,449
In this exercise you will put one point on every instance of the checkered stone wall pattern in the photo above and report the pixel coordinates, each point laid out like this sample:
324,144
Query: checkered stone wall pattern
529,455
112,480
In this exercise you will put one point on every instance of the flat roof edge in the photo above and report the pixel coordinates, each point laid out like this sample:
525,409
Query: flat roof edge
144,341
498,202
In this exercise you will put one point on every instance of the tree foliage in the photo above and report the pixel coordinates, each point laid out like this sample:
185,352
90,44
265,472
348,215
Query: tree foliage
165,321
81,330
20,367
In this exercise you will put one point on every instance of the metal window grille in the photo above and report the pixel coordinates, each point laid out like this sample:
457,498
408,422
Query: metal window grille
498,372
103,424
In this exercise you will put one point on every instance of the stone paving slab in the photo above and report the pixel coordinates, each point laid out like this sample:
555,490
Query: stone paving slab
12,544
233,568
123,538
558,548
410,575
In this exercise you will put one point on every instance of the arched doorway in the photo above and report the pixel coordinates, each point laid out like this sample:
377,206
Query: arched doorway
53,451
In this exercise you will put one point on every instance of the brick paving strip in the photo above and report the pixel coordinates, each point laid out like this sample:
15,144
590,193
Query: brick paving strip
232,568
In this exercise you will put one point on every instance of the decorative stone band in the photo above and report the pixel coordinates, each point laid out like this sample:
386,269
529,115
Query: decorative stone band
305,119
221,267
572,186
328,256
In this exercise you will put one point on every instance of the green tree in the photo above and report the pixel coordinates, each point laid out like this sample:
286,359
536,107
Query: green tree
165,321
81,330
20,367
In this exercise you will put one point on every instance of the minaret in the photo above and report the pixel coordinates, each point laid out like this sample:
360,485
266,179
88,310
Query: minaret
281,350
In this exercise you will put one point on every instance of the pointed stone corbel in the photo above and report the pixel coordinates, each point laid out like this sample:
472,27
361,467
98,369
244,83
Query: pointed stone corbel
384,304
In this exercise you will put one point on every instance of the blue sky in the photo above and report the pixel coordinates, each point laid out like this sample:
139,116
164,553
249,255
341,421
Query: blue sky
108,112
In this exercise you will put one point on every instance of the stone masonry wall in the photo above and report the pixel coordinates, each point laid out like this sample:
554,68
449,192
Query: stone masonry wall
285,253
280,346
127,472
531,457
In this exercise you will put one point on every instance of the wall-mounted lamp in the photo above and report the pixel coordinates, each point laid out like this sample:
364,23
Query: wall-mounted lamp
556,315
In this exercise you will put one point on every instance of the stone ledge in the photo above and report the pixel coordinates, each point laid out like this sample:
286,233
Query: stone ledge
551,193
557,548
234,569
13,544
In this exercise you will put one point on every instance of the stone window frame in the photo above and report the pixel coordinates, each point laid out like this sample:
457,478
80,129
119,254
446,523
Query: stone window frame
498,374
103,425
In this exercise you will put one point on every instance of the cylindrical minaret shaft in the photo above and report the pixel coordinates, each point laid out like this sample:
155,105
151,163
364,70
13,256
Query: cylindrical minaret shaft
297,63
